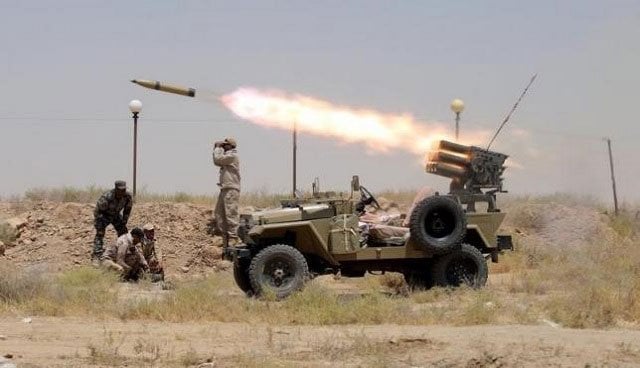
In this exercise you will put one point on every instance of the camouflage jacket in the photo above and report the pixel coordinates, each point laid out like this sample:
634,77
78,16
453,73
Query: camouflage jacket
125,253
229,168
110,206
151,250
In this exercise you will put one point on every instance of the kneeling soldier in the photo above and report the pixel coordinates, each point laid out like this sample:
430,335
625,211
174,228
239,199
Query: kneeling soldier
126,257
152,253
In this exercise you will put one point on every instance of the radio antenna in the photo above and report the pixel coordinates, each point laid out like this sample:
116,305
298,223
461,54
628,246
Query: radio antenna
515,106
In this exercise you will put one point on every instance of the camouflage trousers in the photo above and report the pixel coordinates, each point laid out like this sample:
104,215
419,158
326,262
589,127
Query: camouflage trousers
101,223
133,273
154,265
226,212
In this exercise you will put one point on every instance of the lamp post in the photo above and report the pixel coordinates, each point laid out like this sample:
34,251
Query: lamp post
457,106
295,157
135,106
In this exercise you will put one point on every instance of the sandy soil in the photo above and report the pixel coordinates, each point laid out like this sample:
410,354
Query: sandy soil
66,342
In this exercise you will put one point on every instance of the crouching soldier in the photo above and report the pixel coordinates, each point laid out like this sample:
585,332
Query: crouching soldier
152,253
125,256
113,208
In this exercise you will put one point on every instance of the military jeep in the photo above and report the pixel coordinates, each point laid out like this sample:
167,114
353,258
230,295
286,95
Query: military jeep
447,242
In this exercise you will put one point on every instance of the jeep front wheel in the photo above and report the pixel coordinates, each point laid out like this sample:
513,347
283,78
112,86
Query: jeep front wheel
279,268
464,266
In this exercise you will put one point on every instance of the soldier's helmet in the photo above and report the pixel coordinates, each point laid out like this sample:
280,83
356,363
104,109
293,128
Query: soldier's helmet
121,184
231,141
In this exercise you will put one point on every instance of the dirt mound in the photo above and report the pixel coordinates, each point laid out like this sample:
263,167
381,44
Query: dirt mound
61,234
559,225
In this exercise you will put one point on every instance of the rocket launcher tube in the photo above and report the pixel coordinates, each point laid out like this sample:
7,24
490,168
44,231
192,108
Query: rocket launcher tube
446,170
454,147
450,158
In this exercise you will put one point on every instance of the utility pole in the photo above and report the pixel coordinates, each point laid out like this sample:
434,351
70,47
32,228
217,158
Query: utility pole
613,177
295,152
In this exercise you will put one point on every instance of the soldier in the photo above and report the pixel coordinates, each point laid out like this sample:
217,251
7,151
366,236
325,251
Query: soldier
125,256
113,207
152,253
226,214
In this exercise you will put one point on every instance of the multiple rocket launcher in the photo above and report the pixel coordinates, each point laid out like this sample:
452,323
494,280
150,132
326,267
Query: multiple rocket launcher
470,166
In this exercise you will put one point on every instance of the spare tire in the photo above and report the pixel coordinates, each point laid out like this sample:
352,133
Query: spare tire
438,224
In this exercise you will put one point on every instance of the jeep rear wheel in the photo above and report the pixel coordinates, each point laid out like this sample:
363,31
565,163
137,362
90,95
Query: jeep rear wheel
464,266
241,275
280,268
438,224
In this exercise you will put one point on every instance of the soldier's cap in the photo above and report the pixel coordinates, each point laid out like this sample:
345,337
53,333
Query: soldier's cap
231,141
137,232
121,184
148,227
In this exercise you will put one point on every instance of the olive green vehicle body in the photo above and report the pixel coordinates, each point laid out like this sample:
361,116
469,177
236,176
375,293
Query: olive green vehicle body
307,226
447,242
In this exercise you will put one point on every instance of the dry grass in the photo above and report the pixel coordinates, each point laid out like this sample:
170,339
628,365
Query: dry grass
592,286
90,194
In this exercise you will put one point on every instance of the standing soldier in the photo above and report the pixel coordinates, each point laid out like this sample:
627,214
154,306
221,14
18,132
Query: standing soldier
152,253
125,256
113,208
226,214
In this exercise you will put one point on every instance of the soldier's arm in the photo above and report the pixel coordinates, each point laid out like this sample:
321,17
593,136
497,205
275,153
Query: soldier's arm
143,261
101,206
158,252
127,209
122,252
221,158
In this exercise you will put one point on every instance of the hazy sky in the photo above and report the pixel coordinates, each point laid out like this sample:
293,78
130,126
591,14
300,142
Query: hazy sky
65,68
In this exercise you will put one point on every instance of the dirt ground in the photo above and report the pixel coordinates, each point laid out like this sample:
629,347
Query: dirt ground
72,342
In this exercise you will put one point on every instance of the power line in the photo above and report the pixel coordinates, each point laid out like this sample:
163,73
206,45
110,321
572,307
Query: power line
40,118
232,120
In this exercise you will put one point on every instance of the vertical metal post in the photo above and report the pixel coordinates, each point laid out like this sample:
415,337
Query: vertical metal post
613,177
135,150
457,125
295,153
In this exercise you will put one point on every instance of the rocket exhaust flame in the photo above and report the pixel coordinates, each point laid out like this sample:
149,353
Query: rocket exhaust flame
379,132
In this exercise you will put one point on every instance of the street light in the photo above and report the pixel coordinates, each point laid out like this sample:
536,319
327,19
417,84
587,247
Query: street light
457,106
135,106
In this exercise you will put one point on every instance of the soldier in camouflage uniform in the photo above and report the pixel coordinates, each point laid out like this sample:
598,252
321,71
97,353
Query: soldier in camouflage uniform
125,256
152,253
113,208
225,156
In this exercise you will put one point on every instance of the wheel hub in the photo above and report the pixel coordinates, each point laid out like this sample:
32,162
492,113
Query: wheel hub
278,272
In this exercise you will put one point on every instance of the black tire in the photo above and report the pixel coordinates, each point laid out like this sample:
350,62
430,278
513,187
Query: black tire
438,224
280,268
418,280
241,275
465,266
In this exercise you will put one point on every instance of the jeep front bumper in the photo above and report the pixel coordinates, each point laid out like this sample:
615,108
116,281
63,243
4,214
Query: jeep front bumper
233,253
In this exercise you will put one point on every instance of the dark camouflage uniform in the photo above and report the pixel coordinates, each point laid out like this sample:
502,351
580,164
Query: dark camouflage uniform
110,211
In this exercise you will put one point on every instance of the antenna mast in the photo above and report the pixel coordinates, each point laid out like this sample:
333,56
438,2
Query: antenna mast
515,106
